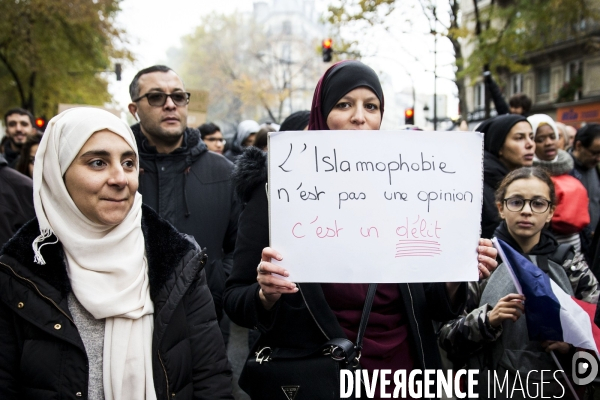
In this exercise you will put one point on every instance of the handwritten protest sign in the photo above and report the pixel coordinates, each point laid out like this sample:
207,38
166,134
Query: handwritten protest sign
377,206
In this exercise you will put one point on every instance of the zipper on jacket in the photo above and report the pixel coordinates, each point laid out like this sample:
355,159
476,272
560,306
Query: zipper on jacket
165,371
311,313
38,290
412,306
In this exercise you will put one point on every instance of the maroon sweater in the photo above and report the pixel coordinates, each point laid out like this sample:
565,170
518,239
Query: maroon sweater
386,344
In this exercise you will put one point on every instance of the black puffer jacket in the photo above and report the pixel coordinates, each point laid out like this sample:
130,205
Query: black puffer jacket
42,355
493,173
304,319
191,188
16,201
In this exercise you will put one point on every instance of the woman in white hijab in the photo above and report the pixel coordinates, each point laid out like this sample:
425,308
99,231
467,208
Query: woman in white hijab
99,297
571,214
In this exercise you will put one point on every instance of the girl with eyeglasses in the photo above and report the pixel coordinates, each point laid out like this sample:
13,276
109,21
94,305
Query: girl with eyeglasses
492,333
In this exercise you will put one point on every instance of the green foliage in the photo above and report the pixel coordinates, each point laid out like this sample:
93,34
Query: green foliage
248,73
374,12
51,51
569,89
520,27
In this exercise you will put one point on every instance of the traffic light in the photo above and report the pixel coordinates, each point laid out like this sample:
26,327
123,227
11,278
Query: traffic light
40,123
327,50
409,116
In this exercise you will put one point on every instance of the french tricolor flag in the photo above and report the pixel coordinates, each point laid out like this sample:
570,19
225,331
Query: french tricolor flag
551,313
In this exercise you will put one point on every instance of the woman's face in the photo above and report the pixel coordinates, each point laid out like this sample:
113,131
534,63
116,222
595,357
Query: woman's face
358,109
32,152
561,143
519,147
103,178
546,143
525,224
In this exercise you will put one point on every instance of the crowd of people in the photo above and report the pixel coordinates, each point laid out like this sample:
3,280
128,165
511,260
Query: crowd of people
127,249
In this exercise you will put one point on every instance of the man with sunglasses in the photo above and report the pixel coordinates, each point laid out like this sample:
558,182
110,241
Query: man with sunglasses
179,178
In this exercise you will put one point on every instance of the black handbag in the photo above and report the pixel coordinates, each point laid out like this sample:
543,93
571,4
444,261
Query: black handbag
304,374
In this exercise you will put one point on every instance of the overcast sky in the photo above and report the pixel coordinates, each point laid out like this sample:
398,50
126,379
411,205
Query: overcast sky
153,26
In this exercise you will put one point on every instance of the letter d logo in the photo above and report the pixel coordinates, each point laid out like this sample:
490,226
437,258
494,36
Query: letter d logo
584,368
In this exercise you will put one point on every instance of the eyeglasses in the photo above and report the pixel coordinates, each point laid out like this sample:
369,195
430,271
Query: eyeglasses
538,206
158,99
214,139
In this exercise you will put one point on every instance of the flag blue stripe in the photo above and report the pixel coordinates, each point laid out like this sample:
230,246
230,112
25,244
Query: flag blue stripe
542,308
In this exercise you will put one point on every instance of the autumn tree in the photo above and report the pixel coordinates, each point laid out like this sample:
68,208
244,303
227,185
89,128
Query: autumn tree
52,50
402,19
248,73
503,32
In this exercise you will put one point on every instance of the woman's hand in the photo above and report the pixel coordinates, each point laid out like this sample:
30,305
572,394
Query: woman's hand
509,307
560,347
486,255
271,286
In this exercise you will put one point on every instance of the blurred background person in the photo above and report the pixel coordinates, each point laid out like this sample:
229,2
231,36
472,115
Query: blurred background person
508,145
571,214
562,140
262,137
27,158
586,156
571,132
518,104
19,126
244,137
297,121
212,137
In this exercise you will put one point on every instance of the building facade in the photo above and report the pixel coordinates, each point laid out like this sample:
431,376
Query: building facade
563,80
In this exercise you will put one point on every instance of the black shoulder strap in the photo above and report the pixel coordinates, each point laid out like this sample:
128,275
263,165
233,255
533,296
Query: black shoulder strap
365,315
562,253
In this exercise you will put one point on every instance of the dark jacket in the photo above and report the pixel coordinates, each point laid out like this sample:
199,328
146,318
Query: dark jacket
493,173
304,319
496,95
16,201
191,188
42,355
11,156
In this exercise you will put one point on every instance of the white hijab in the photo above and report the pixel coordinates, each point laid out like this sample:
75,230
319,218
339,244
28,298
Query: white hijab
106,265
539,119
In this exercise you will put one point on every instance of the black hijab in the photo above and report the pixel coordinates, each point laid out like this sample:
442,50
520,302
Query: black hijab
295,122
338,80
496,130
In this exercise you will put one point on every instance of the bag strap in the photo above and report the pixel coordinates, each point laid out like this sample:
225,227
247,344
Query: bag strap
562,253
365,315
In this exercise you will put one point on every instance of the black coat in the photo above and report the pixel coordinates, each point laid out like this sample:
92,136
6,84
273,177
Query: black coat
191,188
493,173
16,201
42,355
499,102
304,319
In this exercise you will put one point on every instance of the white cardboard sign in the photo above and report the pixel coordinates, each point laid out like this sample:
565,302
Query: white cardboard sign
376,206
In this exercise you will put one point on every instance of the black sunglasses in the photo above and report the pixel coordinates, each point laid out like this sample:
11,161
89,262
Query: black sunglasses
158,99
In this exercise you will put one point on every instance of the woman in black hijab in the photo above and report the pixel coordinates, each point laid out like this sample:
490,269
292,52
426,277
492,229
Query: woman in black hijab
399,335
508,145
